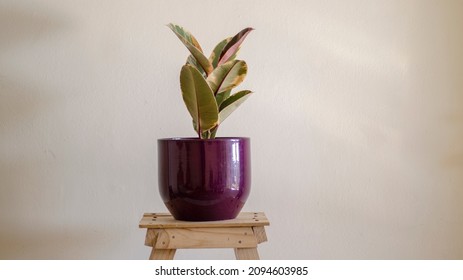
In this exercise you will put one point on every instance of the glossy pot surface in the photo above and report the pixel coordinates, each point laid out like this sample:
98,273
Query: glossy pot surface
204,179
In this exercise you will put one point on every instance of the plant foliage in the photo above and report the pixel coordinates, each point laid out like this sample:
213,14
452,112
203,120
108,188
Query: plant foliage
206,83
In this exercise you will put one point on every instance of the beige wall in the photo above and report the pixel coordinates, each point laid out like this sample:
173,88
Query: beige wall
356,123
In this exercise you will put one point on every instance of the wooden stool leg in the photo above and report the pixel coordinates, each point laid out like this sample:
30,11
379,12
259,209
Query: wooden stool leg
162,254
246,253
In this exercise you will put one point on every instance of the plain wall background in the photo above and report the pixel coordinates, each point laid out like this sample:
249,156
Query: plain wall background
356,124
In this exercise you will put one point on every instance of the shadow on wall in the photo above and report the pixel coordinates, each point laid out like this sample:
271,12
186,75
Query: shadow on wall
22,103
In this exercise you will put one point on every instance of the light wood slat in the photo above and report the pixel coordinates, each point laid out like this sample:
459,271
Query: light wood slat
164,220
175,238
260,234
162,254
156,214
246,254
151,236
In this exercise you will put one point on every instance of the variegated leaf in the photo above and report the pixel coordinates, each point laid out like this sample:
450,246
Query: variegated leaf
228,106
185,34
192,61
199,99
227,76
208,134
193,46
222,96
232,47
214,57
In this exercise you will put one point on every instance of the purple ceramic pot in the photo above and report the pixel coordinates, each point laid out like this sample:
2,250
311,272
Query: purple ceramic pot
204,179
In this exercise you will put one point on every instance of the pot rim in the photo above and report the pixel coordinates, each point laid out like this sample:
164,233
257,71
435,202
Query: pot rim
193,139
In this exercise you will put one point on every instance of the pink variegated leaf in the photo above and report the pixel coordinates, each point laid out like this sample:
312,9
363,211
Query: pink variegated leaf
232,47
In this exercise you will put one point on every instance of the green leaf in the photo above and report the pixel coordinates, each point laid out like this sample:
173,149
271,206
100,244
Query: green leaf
213,132
228,106
208,134
192,61
233,46
214,57
185,35
199,99
193,46
222,96
227,76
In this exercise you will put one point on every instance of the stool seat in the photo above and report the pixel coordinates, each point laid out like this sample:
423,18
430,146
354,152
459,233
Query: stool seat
165,234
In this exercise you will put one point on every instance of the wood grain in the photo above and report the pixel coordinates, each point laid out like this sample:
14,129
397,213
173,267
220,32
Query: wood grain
165,234
162,254
164,220
259,233
246,254
242,237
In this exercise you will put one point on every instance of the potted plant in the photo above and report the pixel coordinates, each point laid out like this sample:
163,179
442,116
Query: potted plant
208,177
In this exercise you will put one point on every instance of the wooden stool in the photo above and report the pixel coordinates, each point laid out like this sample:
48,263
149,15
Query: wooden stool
166,235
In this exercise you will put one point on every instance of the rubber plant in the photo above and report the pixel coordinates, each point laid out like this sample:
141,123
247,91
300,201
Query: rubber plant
206,82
